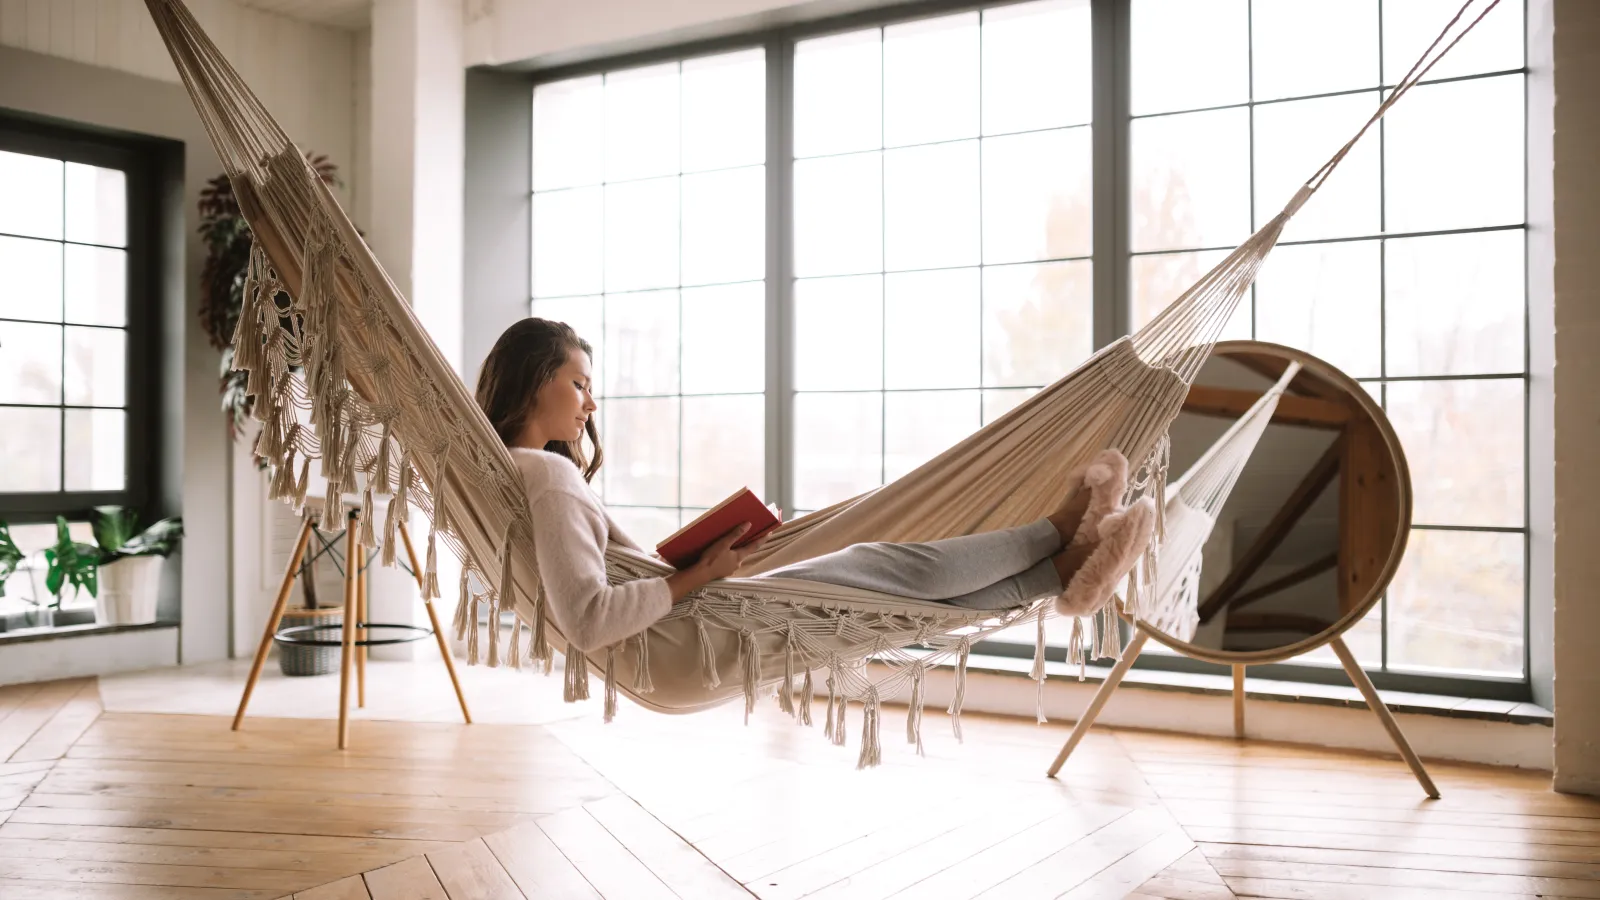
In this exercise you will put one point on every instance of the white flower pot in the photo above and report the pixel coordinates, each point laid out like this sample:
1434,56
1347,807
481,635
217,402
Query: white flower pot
129,589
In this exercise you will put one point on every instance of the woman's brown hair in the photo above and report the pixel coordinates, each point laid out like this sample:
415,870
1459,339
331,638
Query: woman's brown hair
526,358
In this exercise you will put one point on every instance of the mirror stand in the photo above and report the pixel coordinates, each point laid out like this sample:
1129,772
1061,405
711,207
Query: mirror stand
1346,658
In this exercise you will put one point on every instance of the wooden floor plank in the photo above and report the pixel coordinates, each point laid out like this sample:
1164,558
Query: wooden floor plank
1385,878
541,871
32,714
38,889
240,840
310,824
163,854
1313,890
1436,846
615,872
350,888
1412,861
411,879
281,881
469,871
1079,861
1136,869
63,729
681,867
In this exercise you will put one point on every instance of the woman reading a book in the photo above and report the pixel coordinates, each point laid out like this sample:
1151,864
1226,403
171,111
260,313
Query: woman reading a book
536,390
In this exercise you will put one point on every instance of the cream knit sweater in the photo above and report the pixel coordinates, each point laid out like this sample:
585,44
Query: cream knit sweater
570,532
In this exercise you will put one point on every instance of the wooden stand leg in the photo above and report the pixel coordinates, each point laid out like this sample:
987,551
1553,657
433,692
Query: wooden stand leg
349,629
360,566
1364,684
433,619
1129,654
1238,701
273,619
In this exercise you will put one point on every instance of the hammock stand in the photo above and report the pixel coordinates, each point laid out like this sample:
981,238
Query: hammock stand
388,416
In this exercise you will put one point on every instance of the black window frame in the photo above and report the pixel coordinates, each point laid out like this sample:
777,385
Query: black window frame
1112,256
137,158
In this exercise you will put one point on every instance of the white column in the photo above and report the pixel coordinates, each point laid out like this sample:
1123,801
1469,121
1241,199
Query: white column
414,194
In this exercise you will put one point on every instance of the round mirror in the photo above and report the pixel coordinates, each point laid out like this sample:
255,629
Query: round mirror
1288,506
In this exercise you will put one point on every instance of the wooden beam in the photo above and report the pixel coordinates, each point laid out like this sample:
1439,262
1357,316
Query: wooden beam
1300,500
1272,368
1273,621
1230,403
1369,511
1303,573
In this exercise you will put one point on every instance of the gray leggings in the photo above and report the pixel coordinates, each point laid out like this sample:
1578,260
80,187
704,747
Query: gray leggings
993,570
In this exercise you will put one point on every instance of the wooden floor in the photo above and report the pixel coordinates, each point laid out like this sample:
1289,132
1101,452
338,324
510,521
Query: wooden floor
98,803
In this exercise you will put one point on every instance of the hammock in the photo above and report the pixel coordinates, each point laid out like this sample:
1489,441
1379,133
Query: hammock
389,416
1193,504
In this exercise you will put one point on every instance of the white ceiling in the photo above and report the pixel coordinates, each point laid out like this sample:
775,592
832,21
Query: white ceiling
352,14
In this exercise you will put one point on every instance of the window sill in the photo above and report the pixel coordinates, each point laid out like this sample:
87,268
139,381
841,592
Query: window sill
29,635
1288,691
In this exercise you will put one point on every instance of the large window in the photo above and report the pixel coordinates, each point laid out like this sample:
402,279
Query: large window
892,231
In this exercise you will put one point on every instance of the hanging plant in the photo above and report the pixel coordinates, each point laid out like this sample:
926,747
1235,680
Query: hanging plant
227,238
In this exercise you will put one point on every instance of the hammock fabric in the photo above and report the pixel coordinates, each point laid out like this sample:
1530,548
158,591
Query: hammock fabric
389,416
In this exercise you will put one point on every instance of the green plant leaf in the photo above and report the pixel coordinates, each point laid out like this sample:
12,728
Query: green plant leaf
114,526
159,539
10,556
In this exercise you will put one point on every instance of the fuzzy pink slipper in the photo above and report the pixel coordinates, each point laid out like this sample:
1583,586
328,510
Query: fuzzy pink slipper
1107,480
1124,535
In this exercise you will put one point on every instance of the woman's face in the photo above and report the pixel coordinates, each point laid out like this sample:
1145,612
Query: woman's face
565,403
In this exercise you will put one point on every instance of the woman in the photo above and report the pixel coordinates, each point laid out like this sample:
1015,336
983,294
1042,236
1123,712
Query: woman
535,387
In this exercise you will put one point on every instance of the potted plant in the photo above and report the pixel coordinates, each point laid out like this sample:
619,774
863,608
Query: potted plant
67,562
130,562
10,557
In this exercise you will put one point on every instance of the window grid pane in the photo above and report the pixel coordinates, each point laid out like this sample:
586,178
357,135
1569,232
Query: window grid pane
63,339
1433,324
942,234
648,230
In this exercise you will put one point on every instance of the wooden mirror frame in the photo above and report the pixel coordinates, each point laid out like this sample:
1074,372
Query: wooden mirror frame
1379,565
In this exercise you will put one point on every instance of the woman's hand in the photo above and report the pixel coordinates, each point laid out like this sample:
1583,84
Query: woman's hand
719,560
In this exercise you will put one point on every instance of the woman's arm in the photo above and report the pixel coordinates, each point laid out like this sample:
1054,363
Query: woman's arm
719,560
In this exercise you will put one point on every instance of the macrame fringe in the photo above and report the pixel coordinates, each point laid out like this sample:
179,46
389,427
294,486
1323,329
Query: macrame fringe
642,682
514,652
462,603
831,714
807,694
494,630
871,746
1075,646
750,654
1038,674
301,485
381,473
914,712
786,686
368,513
539,651
576,686
708,653
472,631
611,683
349,481
282,487
399,510
960,696
430,568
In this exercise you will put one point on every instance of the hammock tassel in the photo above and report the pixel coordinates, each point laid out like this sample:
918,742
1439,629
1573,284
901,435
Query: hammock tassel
507,586
300,486
1038,674
786,687
462,603
708,653
960,696
430,569
539,649
1113,636
494,630
871,746
832,713
807,693
514,652
282,487
577,675
399,511
472,632
1075,646
348,483
381,475
642,682
751,653
368,513
611,683
914,714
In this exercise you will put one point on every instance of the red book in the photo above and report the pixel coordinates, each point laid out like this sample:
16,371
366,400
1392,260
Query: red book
684,548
